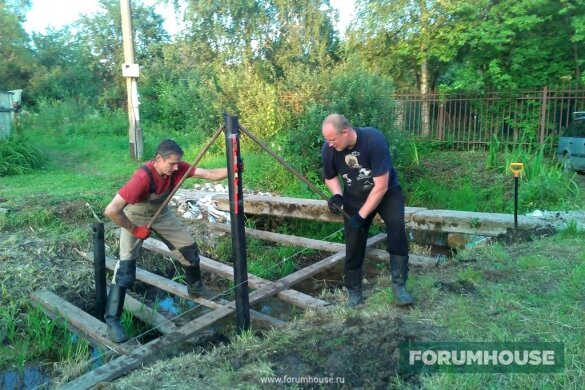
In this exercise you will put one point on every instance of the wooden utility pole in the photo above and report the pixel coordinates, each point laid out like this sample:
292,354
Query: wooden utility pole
130,71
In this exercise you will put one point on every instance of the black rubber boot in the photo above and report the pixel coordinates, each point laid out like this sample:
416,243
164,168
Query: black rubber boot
353,284
195,286
114,309
399,271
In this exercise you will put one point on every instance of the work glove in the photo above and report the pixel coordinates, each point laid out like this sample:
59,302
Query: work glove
142,232
335,200
357,222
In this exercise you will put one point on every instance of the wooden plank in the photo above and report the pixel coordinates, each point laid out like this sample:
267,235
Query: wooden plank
149,316
78,321
155,348
181,291
296,298
376,254
417,218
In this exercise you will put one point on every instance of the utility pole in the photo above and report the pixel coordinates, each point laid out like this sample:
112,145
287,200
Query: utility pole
130,71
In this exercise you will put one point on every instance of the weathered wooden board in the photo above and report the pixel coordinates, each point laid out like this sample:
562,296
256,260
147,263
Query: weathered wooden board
78,321
373,253
181,291
157,347
291,296
149,316
417,218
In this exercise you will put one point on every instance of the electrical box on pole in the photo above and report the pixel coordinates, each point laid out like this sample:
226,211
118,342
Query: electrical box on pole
130,71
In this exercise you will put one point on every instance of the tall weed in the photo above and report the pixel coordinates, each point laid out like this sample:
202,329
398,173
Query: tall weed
18,156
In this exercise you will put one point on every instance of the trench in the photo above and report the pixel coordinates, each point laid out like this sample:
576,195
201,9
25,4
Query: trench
38,376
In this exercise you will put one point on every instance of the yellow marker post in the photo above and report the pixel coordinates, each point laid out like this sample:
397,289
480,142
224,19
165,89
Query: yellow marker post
516,169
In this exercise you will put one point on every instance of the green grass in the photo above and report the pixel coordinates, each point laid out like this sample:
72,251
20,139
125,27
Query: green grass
534,297
29,335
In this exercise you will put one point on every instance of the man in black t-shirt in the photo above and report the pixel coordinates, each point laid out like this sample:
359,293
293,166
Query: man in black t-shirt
361,158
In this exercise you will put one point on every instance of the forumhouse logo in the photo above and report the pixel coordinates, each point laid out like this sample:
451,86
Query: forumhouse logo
471,357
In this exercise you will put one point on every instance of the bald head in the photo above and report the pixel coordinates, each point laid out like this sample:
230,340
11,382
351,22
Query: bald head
337,121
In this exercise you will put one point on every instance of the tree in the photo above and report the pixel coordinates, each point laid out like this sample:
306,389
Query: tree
245,32
16,62
521,44
101,36
411,40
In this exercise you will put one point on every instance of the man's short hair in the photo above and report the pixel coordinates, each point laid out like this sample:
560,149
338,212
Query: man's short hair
338,121
168,147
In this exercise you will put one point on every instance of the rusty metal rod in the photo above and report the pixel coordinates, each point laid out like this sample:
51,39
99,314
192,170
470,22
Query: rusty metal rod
178,185
291,169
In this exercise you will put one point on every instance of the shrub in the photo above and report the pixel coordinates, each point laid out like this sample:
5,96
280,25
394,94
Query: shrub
18,156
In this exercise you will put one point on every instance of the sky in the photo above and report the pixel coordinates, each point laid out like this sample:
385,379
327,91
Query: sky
57,13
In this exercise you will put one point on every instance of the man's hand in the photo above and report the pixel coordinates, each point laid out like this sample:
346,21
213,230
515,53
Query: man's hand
335,200
142,232
357,222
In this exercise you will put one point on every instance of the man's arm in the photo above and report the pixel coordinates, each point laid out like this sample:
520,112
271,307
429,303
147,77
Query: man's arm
211,174
334,186
115,211
376,195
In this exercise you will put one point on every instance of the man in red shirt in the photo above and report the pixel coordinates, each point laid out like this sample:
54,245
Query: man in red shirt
132,209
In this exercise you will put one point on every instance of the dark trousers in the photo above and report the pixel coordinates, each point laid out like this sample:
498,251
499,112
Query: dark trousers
391,210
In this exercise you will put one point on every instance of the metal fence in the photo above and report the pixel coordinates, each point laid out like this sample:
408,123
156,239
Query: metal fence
474,119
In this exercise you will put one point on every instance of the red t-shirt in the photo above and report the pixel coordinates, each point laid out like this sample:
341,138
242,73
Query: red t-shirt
137,189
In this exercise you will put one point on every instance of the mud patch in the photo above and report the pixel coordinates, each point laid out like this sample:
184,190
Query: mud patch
458,287
362,349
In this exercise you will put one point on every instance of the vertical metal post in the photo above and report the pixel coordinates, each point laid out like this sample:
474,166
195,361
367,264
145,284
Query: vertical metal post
517,169
232,142
99,266
515,202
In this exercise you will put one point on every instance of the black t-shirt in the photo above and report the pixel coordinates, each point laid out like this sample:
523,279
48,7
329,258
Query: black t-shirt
369,158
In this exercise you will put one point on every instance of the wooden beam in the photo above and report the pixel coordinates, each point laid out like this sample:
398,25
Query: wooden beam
417,218
149,316
215,267
181,291
376,254
78,321
154,349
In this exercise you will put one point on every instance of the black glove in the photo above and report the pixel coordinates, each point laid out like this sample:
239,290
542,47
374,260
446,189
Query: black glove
335,200
357,222
241,165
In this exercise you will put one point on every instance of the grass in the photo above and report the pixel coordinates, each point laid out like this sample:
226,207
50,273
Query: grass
511,293
534,297
32,335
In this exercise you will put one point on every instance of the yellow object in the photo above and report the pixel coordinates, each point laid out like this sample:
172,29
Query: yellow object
517,169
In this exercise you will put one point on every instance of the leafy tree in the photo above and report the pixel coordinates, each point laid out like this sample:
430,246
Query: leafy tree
16,62
100,35
411,40
244,32
521,44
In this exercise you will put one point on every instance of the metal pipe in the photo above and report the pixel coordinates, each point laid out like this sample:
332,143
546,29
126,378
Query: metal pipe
236,196
515,202
290,169
99,267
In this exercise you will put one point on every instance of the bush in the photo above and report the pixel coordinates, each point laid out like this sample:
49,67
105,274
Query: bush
18,156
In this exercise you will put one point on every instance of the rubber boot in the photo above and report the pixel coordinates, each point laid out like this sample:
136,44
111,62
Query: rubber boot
114,308
353,284
399,271
195,286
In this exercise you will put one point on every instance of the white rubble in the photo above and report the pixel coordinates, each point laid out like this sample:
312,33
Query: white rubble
560,219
